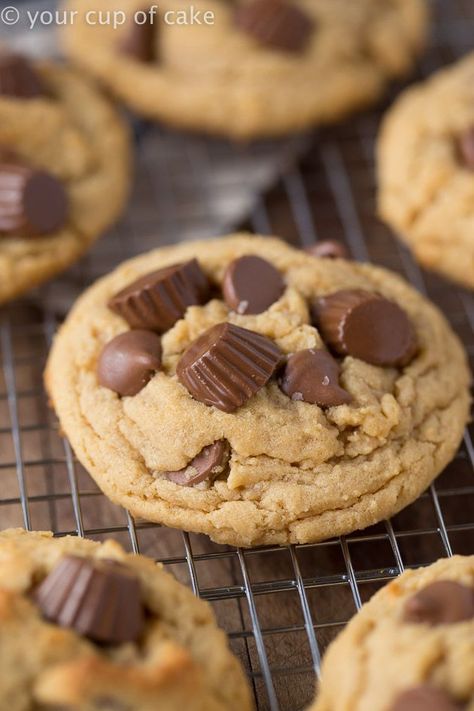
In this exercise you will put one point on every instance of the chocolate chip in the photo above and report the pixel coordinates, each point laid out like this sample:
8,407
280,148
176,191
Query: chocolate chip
424,698
328,249
227,365
18,78
32,202
207,465
365,325
159,299
99,599
466,148
277,24
129,361
251,285
444,602
313,376
138,40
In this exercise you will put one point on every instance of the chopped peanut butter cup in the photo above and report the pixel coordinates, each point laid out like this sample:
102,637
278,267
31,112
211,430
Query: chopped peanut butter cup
444,602
251,285
466,148
206,466
99,599
138,40
18,78
313,376
277,24
227,365
424,698
129,361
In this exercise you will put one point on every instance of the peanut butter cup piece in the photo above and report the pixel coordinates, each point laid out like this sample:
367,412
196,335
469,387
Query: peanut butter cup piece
206,466
32,202
99,599
444,602
367,326
424,698
129,361
138,40
466,148
328,249
227,365
159,299
251,285
18,78
312,376
277,24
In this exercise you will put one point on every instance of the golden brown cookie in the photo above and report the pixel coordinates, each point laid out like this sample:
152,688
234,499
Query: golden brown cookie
411,648
426,171
218,430
64,170
86,626
262,68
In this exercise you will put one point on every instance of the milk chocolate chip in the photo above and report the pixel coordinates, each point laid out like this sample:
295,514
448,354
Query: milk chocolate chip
207,465
277,24
444,602
32,202
138,40
129,361
99,599
365,325
424,698
328,249
251,285
466,148
313,376
159,299
227,365
18,78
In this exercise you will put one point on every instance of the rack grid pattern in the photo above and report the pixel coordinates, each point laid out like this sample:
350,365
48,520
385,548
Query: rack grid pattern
280,606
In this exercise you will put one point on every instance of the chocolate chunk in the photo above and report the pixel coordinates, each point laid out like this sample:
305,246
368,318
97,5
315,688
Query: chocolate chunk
207,465
138,40
129,361
159,299
444,602
18,78
424,698
99,599
313,376
251,285
32,202
328,249
466,148
365,325
277,24
226,365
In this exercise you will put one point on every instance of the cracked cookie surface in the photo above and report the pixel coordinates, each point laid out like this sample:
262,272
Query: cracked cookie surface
75,134
181,660
296,472
383,655
426,188
220,79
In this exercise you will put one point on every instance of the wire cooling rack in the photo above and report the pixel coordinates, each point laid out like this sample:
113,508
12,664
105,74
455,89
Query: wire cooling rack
280,606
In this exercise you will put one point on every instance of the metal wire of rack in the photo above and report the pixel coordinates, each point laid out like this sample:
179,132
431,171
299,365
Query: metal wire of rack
280,606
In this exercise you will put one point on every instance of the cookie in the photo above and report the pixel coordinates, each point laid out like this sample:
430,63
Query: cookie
426,171
411,648
64,170
321,408
260,68
86,626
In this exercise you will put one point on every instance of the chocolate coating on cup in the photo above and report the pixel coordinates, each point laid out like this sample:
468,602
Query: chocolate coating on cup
312,376
367,326
251,285
157,300
18,78
32,202
444,602
328,249
424,698
227,365
276,24
129,361
210,463
99,599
